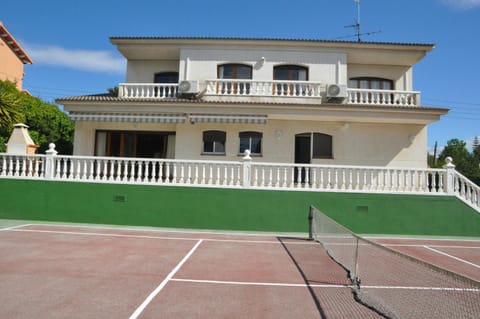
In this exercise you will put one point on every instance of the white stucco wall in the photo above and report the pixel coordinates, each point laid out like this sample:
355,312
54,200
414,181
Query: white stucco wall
392,145
144,71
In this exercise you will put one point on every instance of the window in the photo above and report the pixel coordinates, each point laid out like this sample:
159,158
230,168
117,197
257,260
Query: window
234,71
251,141
166,77
135,144
214,142
289,73
322,146
370,83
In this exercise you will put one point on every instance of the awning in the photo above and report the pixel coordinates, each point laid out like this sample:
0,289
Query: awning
119,117
234,119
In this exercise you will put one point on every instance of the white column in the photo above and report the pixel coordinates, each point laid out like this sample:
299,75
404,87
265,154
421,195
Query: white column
247,169
50,161
449,176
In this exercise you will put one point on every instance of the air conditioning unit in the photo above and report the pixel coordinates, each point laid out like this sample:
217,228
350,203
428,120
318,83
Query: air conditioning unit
188,88
336,91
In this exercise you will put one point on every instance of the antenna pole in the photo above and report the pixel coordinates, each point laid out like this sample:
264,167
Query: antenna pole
357,24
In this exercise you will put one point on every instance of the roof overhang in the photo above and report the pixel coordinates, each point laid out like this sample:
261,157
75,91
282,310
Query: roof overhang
134,48
14,45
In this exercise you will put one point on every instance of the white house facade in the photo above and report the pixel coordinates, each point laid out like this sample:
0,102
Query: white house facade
287,101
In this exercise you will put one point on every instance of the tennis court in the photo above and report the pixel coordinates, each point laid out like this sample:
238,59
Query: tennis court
75,271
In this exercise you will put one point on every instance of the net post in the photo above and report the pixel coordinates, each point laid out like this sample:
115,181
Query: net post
310,223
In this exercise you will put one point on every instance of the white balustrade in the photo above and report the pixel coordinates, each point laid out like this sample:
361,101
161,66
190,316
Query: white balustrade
229,87
147,90
241,174
383,97
287,89
466,190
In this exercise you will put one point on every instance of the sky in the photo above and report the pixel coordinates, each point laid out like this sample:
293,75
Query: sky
69,41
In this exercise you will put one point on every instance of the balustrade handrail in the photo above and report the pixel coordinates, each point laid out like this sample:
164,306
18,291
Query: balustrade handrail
382,91
147,90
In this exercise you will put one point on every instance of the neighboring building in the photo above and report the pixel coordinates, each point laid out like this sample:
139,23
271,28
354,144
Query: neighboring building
12,58
288,101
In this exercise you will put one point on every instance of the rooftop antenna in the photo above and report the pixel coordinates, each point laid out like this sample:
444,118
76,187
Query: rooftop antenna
356,25
357,22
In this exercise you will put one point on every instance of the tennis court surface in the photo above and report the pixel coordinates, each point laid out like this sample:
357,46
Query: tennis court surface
74,271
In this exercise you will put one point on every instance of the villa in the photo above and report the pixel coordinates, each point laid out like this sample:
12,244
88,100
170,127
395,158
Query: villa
287,101
246,134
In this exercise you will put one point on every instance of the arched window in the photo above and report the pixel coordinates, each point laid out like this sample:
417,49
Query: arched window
250,141
290,73
214,142
370,83
234,71
322,146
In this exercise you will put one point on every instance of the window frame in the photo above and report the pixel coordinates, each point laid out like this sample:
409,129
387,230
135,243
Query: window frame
290,69
315,153
220,75
250,135
371,80
171,75
209,136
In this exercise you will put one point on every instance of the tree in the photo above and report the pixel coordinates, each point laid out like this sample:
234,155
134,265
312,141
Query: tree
465,162
46,121
113,91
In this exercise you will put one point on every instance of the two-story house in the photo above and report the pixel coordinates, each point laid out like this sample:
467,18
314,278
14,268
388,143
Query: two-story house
12,58
286,100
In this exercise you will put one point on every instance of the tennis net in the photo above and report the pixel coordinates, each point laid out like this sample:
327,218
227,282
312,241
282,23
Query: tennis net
394,284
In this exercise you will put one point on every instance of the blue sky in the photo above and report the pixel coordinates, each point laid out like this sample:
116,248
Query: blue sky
69,41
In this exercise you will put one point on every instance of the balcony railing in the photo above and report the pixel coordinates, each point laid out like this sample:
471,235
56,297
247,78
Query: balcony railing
147,90
240,174
273,89
383,97
303,89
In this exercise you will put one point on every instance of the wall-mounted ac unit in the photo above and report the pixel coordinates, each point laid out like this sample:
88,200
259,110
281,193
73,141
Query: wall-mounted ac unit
188,88
336,91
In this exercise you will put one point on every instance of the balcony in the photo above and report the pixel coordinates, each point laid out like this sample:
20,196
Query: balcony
272,91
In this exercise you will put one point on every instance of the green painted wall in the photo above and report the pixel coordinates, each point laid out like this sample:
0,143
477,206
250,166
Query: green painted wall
233,209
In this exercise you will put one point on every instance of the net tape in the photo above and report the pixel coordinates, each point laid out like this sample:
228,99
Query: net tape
394,284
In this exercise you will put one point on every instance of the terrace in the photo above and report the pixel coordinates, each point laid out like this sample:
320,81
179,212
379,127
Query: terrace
285,91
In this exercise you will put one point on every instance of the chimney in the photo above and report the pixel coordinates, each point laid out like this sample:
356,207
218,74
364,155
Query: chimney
20,142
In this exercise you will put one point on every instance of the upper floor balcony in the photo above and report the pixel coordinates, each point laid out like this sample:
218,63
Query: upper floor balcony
307,92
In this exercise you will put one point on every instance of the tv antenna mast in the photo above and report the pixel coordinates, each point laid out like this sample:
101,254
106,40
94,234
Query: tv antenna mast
356,25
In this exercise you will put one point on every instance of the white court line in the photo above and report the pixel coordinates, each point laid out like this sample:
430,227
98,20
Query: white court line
421,238
154,237
421,288
437,246
174,230
15,227
450,256
97,234
152,295
249,283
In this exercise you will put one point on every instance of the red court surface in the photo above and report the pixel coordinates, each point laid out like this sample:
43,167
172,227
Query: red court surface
68,271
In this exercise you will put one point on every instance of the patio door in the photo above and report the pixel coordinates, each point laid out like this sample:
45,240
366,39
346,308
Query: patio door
303,155
135,144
